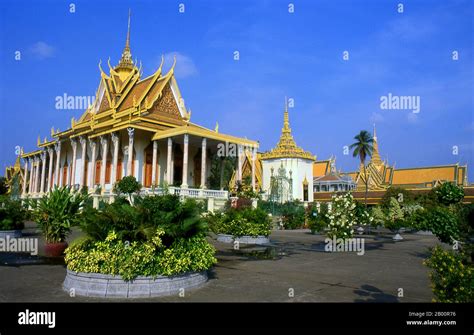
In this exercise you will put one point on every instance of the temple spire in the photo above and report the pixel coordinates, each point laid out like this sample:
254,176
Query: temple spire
286,119
126,61
286,147
375,159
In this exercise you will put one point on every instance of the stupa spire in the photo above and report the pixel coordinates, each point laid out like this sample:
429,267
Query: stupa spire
286,147
375,159
126,61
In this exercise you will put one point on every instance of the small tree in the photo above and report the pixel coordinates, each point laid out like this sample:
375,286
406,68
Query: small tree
128,185
449,193
394,218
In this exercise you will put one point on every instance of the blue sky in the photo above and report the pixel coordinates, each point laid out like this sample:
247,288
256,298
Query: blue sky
299,55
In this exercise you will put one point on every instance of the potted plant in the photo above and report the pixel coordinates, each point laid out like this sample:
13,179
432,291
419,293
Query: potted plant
12,216
55,214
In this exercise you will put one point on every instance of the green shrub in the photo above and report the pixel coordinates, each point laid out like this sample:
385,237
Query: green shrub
318,220
150,258
293,215
418,220
128,185
178,219
449,193
452,279
240,222
403,196
12,214
443,223
57,212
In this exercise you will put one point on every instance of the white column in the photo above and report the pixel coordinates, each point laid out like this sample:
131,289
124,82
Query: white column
153,169
115,140
185,161
93,145
72,179
203,162
57,147
37,161
254,157
239,163
43,170
50,168
30,186
105,147
83,141
25,177
168,161
131,133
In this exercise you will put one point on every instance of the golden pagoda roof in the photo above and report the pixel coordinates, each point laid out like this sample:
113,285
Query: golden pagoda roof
286,147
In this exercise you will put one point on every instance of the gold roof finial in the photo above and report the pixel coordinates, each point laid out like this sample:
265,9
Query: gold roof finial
216,129
126,61
286,147
375,159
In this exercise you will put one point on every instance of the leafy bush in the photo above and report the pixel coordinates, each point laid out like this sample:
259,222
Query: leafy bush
139,222
56,213
449,193
293,215
150,258
12,214
452,279
128,185
443,223
418,220
378,215
403,196
317,217
394,216
342,216
240,222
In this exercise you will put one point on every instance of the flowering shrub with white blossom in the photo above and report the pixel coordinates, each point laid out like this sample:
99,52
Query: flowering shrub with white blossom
343,215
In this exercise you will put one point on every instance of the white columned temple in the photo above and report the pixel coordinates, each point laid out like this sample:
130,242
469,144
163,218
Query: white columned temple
103,167
203,162
131,133
83,142
153,168
93,145
254,157
185,161
26,175
50,168
30,187
43,171
115,141
72,179
36,179
239,162
168,161
57,148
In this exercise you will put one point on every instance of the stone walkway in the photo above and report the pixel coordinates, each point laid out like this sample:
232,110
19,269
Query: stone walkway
294,268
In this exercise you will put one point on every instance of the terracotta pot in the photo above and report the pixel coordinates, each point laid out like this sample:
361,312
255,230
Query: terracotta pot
55,249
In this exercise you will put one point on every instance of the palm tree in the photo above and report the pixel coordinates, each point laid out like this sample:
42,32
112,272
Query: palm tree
363,148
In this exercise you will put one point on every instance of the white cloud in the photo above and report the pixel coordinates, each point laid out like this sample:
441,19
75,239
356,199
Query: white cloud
42,50
185,66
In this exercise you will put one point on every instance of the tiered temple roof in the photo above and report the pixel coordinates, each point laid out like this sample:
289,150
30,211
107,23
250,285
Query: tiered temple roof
286,147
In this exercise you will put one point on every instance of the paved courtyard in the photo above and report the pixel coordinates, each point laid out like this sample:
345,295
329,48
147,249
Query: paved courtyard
294,268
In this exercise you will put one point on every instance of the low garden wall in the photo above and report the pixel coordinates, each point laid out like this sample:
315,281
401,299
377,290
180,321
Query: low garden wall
110,286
